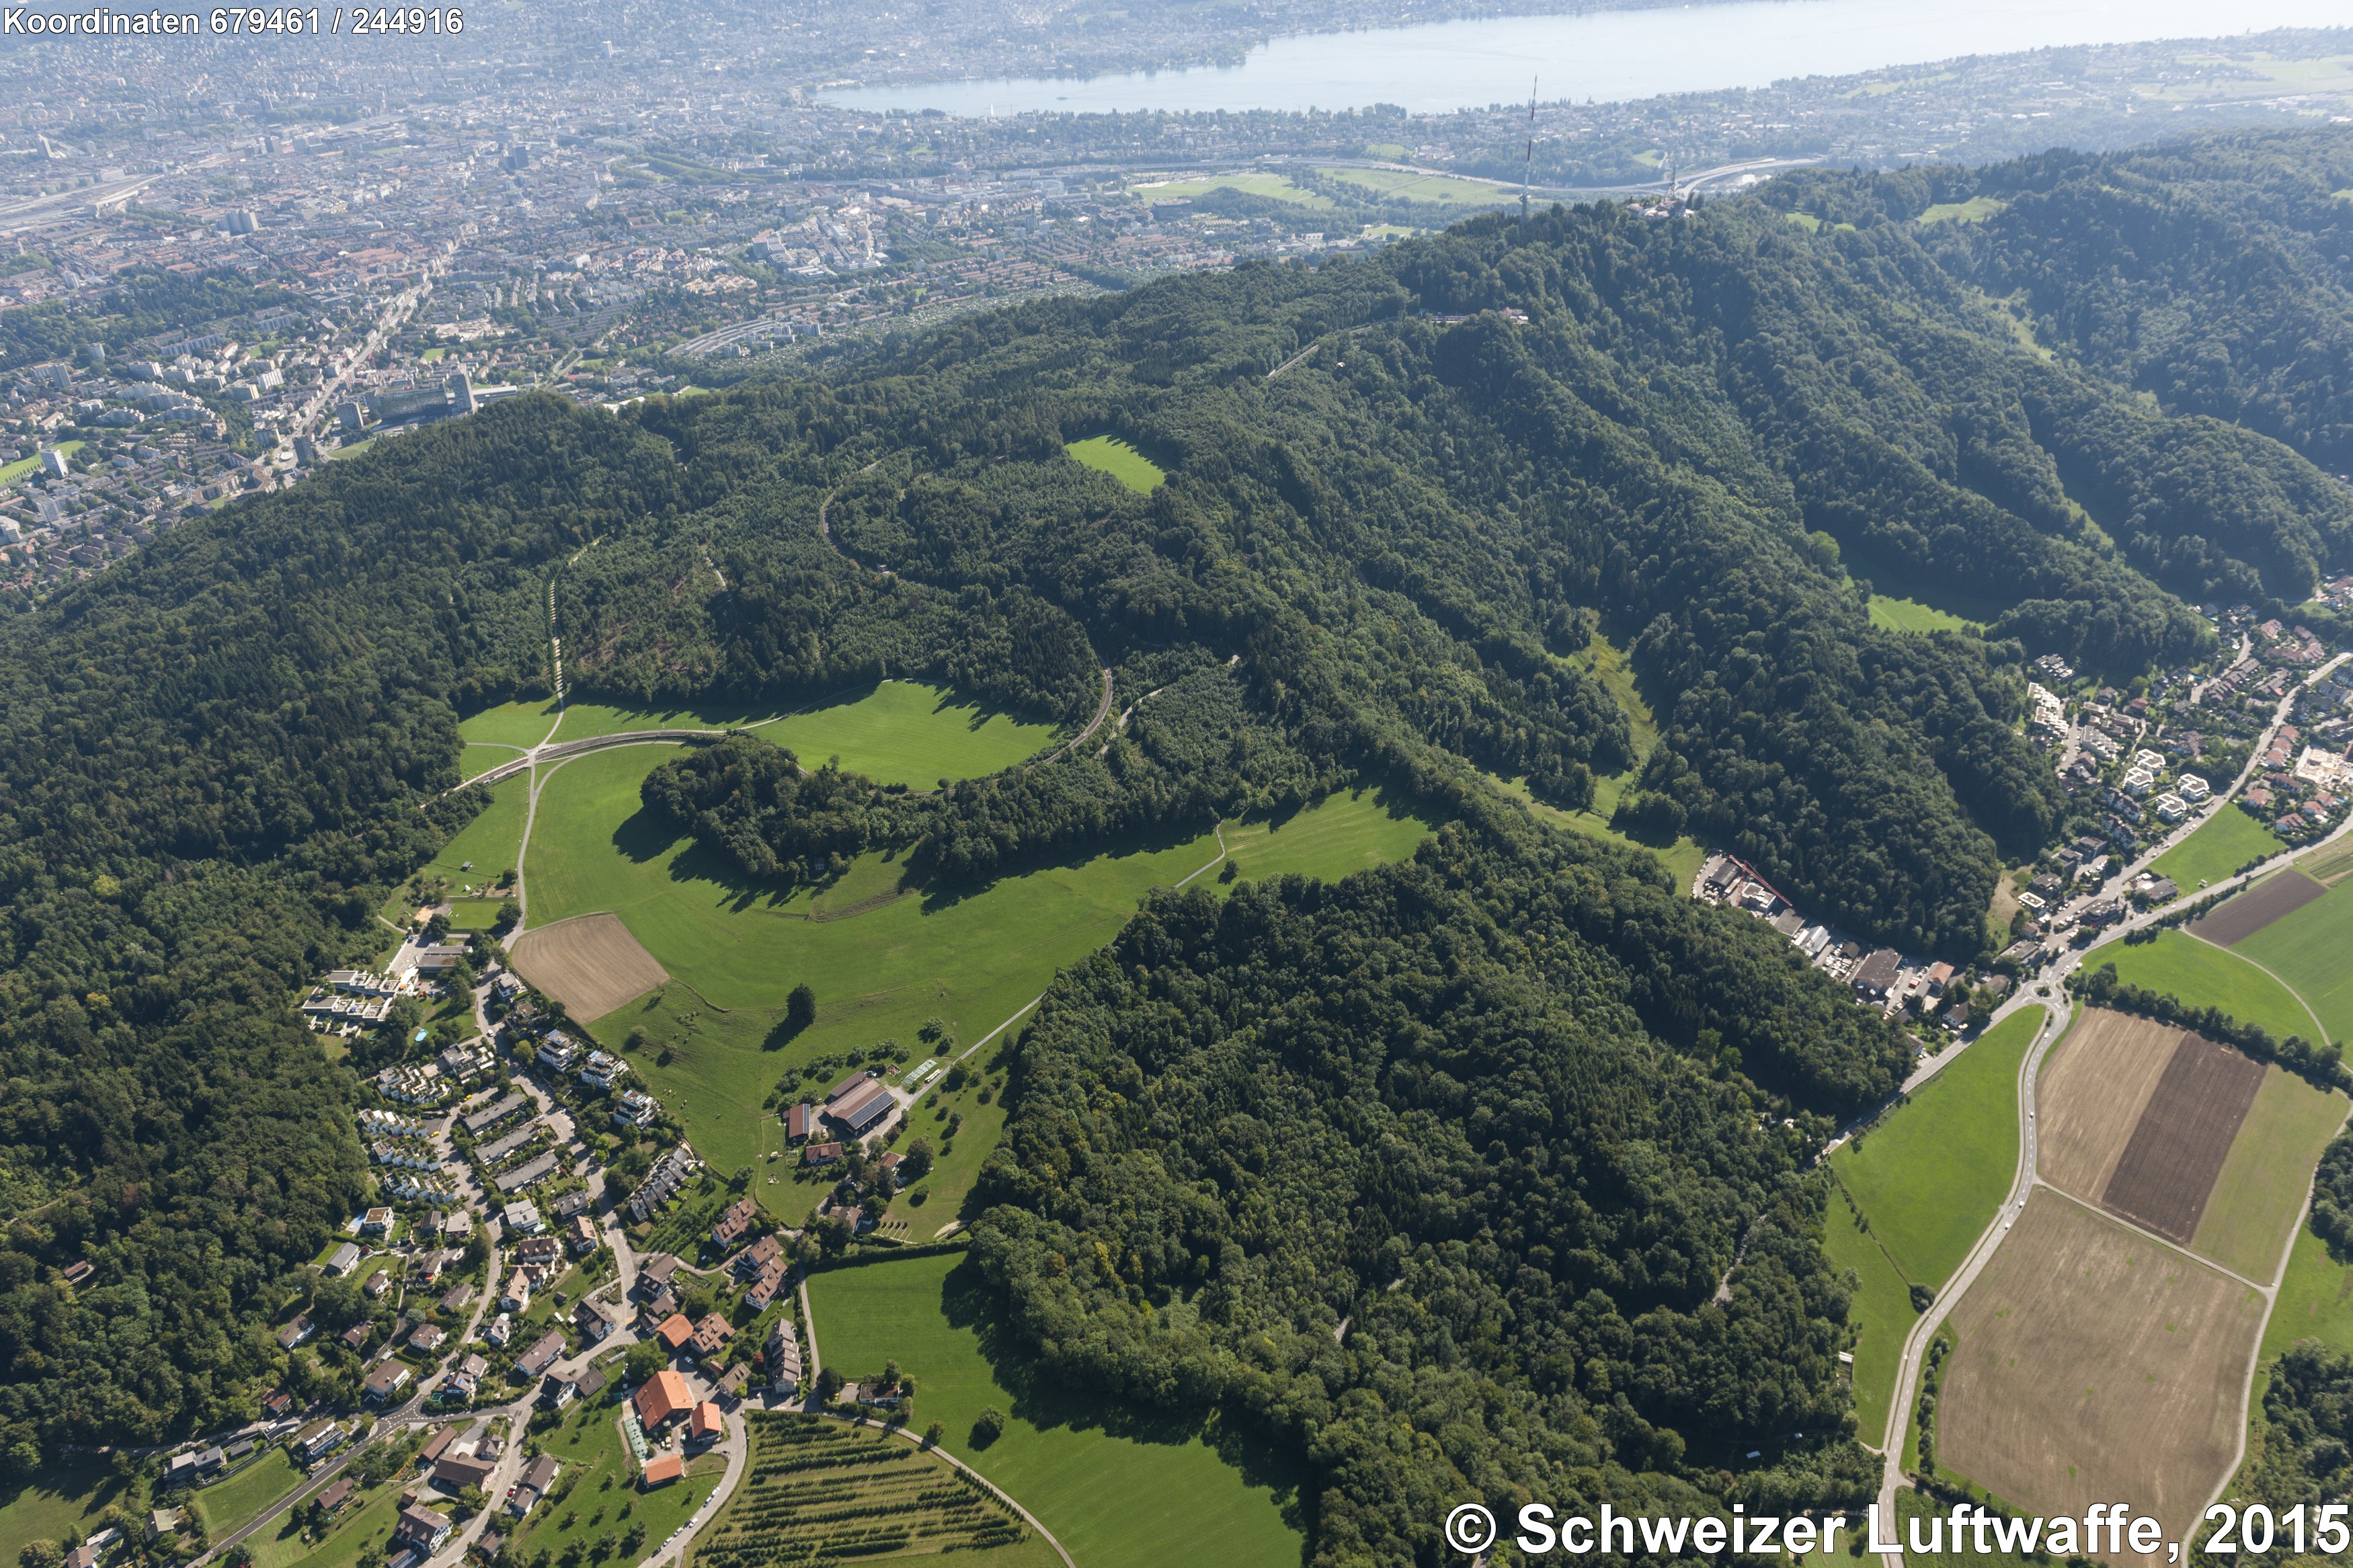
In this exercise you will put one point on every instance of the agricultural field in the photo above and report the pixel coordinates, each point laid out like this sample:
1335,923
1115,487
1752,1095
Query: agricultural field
2244,914
1110,455
1401,184
2203,975
820,1489
1895,615
2312,950
2227,840
57,1500
2093,1364
2331,863
598,1506
589,962
1928,1178
1115,1489
2259,1195
2167,1169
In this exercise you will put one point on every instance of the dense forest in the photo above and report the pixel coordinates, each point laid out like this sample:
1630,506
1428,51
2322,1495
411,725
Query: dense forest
1563,1109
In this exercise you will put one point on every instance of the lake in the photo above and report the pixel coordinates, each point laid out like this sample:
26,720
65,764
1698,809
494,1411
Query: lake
1611,54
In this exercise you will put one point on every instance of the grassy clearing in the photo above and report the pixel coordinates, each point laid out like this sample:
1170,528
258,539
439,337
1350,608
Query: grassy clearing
2260,1190
2204,975
2227,840
601,1507
1397,184
1928,1178
480,757
1890,614
510,724
736,952
1352,831
1110,455
1976,209
2312,950
1274,187
1115,1489
57,1501
819,1489
491,842
903,731
2316,1300
228,1504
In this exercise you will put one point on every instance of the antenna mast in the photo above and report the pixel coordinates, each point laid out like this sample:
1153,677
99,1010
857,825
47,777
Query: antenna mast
1527,165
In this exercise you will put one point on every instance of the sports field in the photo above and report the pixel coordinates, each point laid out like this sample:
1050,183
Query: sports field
1928,1177
1890,614
2312,950
1144,1495
2261,1191
2204,975
1110,455
2095,1364
2228,841
735,952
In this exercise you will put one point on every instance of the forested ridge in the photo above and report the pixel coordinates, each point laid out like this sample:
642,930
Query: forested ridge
1546,1097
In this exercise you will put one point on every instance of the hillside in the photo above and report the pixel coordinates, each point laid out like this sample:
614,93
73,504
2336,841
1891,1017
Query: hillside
1520,1074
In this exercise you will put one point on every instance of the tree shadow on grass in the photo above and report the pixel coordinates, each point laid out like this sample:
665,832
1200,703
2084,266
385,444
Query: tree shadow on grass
942,894
1039,1399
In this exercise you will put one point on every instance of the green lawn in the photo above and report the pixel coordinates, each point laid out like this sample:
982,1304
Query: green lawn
596,1461
510,724
1117,1489
491,841
736,952
2226,841
361,1533
11,472
1928,1178
2204,975
1351,831
228,1504
1121,461
2312,950
58,1499
2260,1190
1398,185
1895,615
942,1193
480,757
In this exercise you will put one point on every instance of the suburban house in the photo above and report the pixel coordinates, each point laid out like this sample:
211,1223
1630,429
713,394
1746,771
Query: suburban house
580,1234
520,1217
602,1072
296,1333
711,1336
662,1470
528,1175
537,1479
337,1494
481,1122
821,1154
705,1424
390,1376
736,1223
342,1261
376,1222
595,1325
421,1530
759,1256
656,1273
355,1338
515,1297
542,1353
1874,977
635,1108
662,1398
557,1052
769,1285
674,1331
438,1445
317,1439
456,1472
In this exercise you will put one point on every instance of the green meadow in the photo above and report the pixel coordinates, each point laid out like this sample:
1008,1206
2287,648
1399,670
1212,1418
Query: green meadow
1976,209
2204,975
1117,1490
2312,950
2224,842
227,1504
1895,615
56,1501
881,960
1274,187
1123,462
1928,1178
